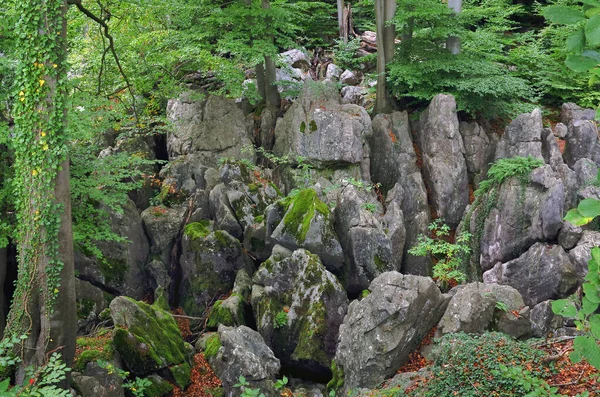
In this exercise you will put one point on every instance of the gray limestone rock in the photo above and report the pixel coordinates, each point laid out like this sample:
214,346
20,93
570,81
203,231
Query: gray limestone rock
580,255
349,77
122,269
571,113
296,59
354,95
333,72
243,352
443,159
561,130
318,128
582,142
569,235
163,225
395,167
522,137
543,320
367,248
479,150
381,330
223,213
209,263
213,126
478,307
543,272
185,173
298,306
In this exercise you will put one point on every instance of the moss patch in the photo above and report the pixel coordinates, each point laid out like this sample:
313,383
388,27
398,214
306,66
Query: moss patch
158,388
219,315
301,210
112,269
199,229
181,374
380,264
337,380
213,344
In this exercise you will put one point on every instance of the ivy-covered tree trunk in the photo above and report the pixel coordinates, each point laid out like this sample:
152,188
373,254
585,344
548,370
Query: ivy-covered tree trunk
453,42
265,76
3,268
43,306
386,37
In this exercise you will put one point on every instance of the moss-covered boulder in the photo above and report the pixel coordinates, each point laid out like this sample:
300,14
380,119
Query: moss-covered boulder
230,312
209,262
302,220
146,337
298,307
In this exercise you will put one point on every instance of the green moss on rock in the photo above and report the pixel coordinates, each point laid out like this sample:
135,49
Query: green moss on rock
219,315
301,210
181,374
199,229
337,380
159,387
213,344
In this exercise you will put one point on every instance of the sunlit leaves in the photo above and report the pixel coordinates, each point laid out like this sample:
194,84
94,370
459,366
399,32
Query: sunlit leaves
564,15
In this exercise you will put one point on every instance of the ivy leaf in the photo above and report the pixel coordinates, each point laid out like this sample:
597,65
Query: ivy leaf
574,216
595,325
589,208
591,292
563,15
592,30
564,307
576,41
587,306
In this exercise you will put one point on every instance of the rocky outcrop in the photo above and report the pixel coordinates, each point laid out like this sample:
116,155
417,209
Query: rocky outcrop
581,254
121,270
210,125
395,167
320,129
239,352
479,150
298,306
209,262
381,330
477,307
368,249
582,142
304,221
522,137
146,337
543,272
543,320
443,159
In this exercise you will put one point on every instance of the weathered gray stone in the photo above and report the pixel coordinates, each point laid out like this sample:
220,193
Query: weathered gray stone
296,59
571,113
479,150
395,167
163,225
561,130
350,78
522,137
298,306
580,255
587,172
304,221
333,72
524,214
243,352
550,150
443,159
543,272
98,384
543,320
381,330
213,126
569,235
582,142
318,128
477,307
185,173
121,271
223,213
354,95
367,248
90,303
209,264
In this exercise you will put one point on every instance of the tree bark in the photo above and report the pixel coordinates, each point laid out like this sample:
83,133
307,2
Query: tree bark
3,267
453,42
341,25
386,36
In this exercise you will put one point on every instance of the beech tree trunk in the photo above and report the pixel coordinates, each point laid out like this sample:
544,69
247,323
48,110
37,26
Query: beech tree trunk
386,36
3,267
453,42
265,74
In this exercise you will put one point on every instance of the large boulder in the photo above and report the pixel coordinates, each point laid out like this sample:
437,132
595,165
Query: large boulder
210,125
243,352
543,272
443,159
381,330
477,307
320,129
523,213
223,213
522,137
121,268
304,221
581,254
479,150
582,142
395,168
368,249
209,262
298,306
147,338
163,225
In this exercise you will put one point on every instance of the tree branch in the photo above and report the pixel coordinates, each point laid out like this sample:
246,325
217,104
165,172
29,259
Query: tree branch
111,47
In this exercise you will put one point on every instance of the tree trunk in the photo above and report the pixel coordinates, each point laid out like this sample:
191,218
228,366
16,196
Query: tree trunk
3,267
386,36
341,22
453,42
43,306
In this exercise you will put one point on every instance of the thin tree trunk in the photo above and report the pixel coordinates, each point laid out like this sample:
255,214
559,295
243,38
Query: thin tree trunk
341,25
386,36
453,42
3,267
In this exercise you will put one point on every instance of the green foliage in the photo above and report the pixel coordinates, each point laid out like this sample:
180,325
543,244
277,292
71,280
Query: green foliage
136,386
280,320
472,364
345,56
503,169
213,344
43,381
243,384
586,318
449,256
534,386
586,211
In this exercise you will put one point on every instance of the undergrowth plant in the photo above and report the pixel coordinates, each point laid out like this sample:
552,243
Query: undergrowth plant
448,257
